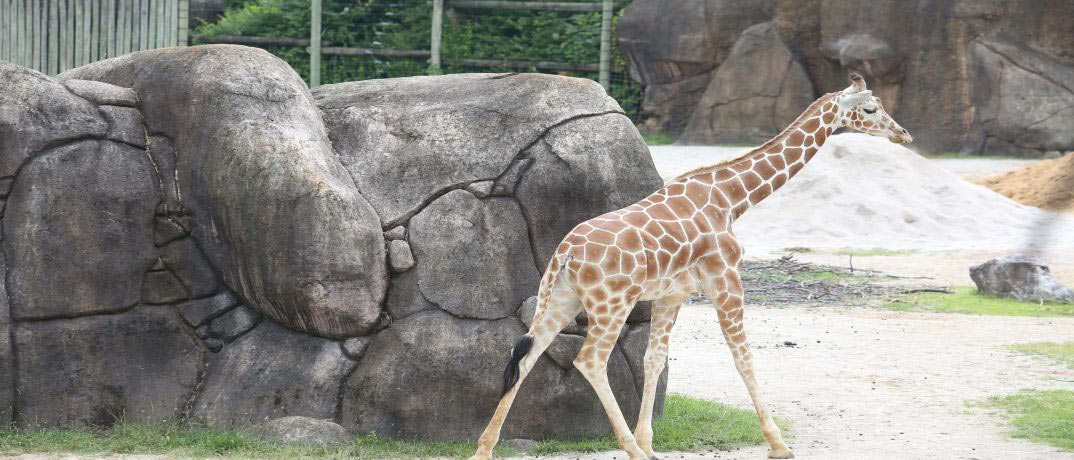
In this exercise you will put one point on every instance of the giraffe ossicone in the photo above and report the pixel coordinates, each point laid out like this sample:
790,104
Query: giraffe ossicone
675,242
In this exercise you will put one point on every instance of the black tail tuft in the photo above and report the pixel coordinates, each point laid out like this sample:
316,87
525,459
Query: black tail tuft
510,375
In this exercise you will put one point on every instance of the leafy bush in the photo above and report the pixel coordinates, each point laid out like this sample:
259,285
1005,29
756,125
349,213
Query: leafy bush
405,25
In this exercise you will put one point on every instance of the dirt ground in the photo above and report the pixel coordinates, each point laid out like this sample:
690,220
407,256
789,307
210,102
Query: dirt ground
865,383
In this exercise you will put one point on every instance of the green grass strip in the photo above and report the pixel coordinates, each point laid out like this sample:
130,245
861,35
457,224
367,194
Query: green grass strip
1059,351
968,300
1040,416
688,424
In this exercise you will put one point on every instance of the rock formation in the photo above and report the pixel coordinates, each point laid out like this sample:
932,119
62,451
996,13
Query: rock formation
190,234
969,76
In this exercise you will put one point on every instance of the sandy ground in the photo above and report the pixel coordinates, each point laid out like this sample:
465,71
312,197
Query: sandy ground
869,384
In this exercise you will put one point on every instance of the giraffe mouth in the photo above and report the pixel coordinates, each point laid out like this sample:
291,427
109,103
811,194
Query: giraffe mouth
901,138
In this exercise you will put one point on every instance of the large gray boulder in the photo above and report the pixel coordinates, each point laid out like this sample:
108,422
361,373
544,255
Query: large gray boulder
759,89
1022,277
303,430
138,366
272,372
202,253
955,74
270,202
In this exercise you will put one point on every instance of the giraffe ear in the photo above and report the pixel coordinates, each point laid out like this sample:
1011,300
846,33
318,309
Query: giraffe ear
857,84
852,100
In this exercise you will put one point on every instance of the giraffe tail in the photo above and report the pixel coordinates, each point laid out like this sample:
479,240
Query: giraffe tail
525,344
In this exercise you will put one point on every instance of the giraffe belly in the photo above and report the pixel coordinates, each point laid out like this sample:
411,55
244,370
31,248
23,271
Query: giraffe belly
680,284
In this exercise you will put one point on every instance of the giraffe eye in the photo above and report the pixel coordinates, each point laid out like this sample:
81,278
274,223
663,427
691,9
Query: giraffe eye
870,111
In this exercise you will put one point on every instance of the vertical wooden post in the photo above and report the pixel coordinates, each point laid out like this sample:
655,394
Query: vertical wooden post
315,43
438,27
184,22
604,76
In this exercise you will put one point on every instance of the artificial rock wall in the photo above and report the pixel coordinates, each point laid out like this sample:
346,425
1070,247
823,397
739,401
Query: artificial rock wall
190,234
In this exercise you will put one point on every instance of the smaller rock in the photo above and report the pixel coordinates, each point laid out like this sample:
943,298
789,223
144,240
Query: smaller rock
1022,277
355,346
124,125
505,184
5,186
234,323
1051,154
397,233
480,189
200,311
641,313
564,349
213,344
102,93
399,256
521,445
165,231
527,310
303,430
161,287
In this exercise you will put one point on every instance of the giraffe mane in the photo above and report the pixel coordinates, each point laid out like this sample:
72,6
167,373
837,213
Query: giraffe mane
755,152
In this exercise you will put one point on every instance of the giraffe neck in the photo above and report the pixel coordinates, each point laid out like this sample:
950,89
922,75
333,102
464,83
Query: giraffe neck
747,180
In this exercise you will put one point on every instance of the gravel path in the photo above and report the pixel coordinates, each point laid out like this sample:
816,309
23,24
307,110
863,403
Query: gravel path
863,383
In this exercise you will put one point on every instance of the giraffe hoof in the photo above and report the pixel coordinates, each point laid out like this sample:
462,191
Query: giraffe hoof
787,454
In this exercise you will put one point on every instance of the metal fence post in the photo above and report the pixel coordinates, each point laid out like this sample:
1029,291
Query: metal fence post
606,45
315,43
438,26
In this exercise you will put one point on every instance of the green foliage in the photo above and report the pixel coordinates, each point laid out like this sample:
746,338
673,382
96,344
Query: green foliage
1059,351
688,424
405,25
658,138
1040,416
968,300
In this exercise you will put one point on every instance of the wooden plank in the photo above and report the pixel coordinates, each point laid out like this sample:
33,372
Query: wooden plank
541,65
174,28
253,41
437,29
341,51
152,37
87,23
315,43
36,37
605,44
108,29
169,28
122,26
61,35
184,22
5,30
77,19
21,43
136,23
95,31
536,6
72,37
143,36
53,37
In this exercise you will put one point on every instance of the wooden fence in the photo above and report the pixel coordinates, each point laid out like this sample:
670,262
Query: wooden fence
52,36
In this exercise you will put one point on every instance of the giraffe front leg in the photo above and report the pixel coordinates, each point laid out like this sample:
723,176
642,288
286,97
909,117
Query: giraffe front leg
665,311
730,311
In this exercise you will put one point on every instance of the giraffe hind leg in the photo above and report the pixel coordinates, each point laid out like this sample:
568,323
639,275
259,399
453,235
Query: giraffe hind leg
552,315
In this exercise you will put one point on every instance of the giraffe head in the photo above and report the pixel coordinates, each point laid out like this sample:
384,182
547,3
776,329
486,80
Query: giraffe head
861,111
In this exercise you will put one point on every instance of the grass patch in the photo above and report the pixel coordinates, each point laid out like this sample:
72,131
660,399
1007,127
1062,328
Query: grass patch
182,441
1039,416
874,252
968,300
688,424
798,249
1059,351
658,138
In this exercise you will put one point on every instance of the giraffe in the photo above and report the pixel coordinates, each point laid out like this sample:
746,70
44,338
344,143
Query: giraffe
666,247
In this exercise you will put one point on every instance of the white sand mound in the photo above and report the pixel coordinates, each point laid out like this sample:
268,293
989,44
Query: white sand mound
862,192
